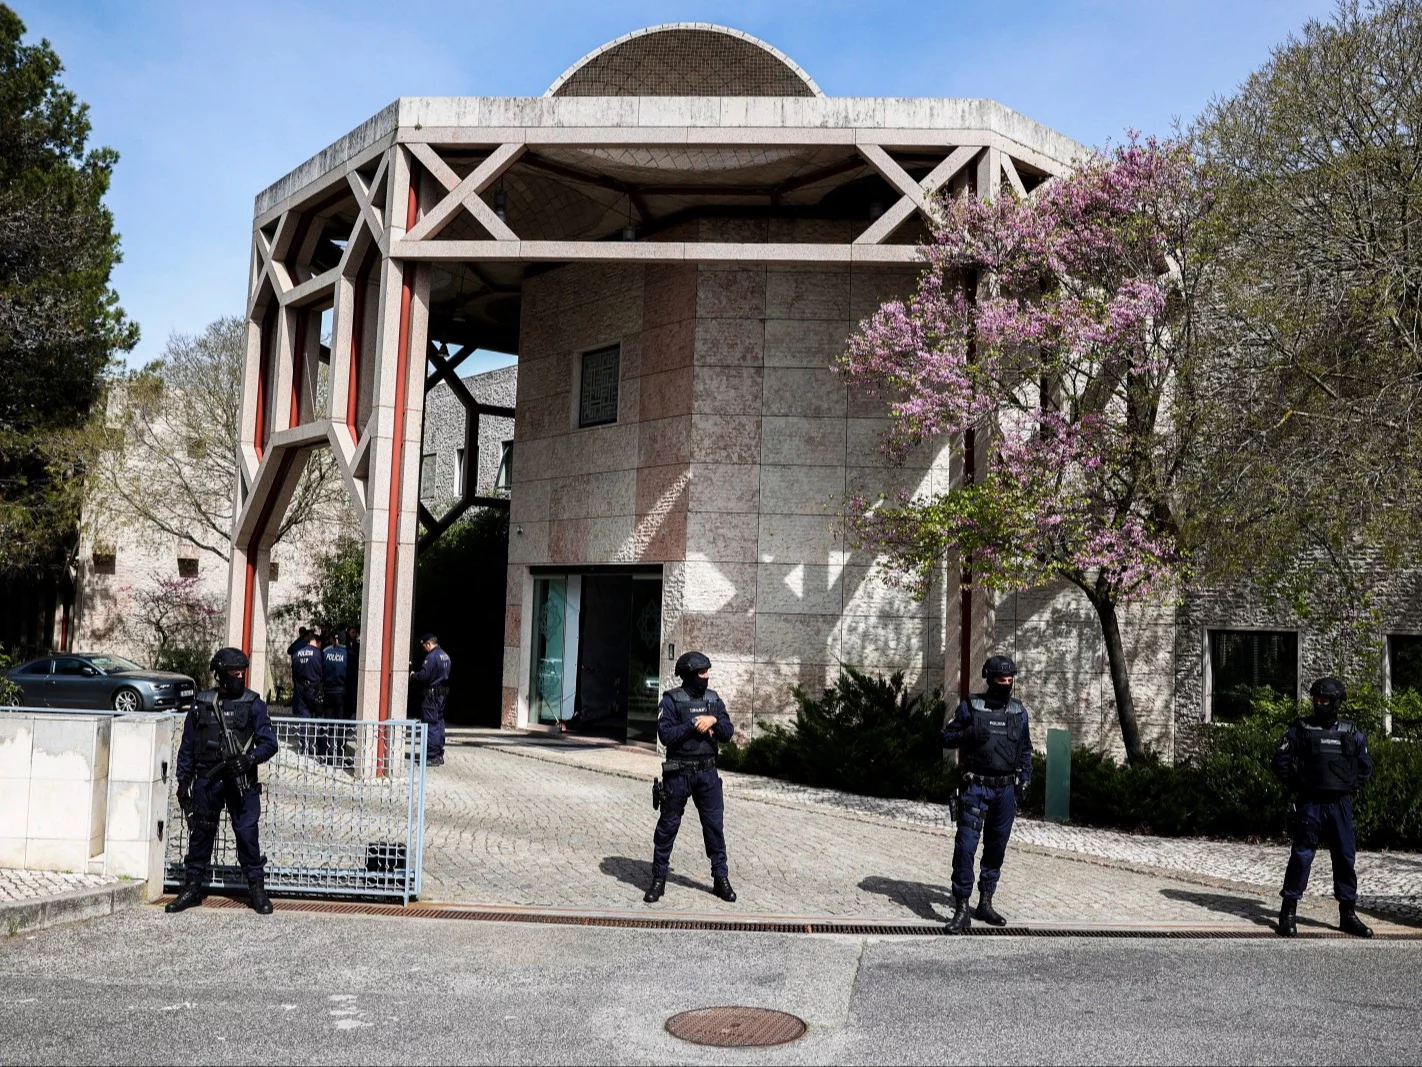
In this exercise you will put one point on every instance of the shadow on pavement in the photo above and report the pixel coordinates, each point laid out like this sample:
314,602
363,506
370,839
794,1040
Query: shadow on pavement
1257,911
918,897
638,873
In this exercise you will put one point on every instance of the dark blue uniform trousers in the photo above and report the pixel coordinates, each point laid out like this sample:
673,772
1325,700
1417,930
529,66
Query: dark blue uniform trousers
432,712
307,703
987,814
704,787
1328,823
210,796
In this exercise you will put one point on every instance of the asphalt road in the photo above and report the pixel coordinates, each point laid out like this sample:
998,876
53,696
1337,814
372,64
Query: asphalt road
216,987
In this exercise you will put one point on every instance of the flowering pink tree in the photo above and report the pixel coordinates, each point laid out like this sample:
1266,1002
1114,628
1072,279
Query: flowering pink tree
1056,327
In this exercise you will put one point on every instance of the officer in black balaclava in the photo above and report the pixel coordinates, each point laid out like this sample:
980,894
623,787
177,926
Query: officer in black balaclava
691,719
990,730
1323,759
226,734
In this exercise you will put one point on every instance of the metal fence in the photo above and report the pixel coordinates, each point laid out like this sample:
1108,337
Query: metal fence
343,812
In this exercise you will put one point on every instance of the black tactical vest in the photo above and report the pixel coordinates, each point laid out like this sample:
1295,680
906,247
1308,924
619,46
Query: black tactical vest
1000,737
207,746
698,745
1328,757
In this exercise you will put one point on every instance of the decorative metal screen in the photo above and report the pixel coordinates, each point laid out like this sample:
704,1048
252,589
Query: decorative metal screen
343,812
597,402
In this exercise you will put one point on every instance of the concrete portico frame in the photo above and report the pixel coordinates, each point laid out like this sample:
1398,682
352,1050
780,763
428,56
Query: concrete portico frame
395,188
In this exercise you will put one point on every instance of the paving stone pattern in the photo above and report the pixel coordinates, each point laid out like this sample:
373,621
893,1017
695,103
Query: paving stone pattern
518,821
22,886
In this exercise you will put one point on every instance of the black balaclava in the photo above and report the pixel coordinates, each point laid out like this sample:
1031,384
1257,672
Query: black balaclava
1328,695
229,684
995,667
695,686
998,694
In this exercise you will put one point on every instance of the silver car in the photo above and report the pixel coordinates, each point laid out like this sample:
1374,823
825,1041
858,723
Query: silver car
98,681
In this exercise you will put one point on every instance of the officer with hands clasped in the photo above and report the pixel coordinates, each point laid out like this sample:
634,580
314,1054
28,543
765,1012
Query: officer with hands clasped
226,734
990,731
1323,759
691,720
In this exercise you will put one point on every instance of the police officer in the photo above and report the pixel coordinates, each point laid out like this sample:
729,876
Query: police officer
691,720
1323,759
226,734
307,699
434,676
303,635
333,689
348,710
990,731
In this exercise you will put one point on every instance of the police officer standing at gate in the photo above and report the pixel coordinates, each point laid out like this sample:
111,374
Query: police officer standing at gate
226,734
434,676
1323,759
307,700
990,731
691,720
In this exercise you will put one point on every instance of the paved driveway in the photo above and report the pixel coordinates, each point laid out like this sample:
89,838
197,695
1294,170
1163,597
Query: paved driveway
515,821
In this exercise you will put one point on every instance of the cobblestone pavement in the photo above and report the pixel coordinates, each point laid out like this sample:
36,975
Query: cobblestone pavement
21,886
514,820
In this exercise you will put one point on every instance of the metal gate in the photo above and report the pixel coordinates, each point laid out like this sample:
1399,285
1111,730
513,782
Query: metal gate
343,812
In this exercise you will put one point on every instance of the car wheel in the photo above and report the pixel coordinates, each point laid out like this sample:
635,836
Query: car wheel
128,700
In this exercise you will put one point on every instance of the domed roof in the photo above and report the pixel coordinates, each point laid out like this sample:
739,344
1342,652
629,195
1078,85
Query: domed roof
685,59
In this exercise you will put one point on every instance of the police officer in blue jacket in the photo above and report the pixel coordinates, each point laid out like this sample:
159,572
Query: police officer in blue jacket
226,734
990,731
434,676
1323,759
307,698
691,720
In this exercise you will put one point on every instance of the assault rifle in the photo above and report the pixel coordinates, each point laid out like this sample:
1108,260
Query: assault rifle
232,776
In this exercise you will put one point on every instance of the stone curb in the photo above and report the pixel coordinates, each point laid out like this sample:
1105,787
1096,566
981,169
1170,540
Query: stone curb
28,915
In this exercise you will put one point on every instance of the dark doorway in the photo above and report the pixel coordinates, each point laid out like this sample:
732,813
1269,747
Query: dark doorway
619,634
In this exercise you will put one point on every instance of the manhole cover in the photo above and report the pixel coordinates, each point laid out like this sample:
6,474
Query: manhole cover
736,1027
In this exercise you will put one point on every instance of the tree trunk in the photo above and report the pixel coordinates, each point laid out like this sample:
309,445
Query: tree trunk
1120,677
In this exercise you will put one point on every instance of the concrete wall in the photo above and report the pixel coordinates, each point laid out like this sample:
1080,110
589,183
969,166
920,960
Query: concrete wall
445,432
734,446
85,793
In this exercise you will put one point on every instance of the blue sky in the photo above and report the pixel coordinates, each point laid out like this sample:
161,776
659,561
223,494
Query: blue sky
207,103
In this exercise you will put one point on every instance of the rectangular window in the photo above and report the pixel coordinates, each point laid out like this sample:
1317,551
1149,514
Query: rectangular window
428,489
187,568
1245,660
1404,662
459,472
597,398
273,571
105,560
503,479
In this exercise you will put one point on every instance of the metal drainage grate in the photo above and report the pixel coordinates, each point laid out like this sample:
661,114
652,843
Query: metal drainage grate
736,1027
870,929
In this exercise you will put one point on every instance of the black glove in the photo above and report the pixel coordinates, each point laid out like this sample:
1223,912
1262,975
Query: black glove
1021,790
185,796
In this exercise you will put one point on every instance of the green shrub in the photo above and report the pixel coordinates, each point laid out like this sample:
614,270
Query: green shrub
865,735
11,695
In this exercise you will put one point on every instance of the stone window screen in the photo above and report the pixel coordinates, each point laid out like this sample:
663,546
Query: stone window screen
1246,660
597,396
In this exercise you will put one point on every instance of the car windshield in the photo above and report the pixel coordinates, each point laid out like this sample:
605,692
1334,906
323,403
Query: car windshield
114,664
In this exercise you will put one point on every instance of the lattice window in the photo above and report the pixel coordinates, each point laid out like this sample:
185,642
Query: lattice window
597,401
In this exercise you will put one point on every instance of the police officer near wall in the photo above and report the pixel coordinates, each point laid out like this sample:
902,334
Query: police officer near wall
1323,759
691,721
990,731
434,676
307,697
226,734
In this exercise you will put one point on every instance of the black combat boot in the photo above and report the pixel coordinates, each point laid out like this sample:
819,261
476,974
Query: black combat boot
257,896
189,896
655,890
722,888
1288,927
961,922
1349,922
986,912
